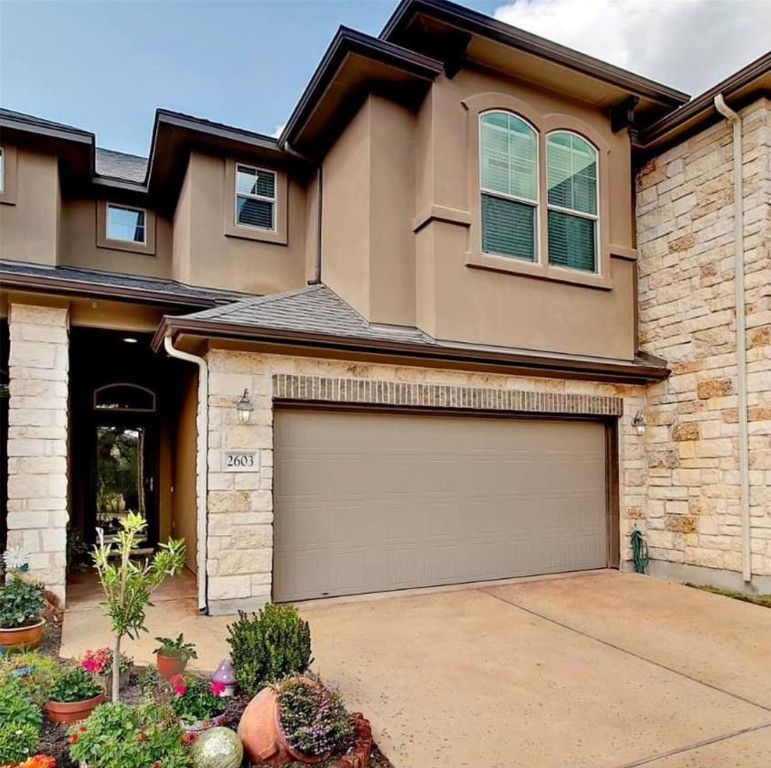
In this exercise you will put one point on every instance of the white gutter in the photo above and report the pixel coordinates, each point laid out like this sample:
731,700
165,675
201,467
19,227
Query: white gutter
202,453
741,336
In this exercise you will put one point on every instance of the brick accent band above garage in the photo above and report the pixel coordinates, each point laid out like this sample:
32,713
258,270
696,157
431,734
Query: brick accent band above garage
403,394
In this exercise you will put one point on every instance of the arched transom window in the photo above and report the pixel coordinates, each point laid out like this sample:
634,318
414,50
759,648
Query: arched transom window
510,194
509,186
124,397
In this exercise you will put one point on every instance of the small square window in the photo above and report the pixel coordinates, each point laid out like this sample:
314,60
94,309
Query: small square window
255,198
126,224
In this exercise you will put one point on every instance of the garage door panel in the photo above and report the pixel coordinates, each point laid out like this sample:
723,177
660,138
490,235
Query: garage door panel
368,502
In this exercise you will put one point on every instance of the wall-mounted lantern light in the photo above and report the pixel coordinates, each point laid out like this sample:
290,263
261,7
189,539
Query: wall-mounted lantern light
244,408
638,423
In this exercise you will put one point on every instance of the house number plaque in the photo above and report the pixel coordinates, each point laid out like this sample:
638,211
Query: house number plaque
240,462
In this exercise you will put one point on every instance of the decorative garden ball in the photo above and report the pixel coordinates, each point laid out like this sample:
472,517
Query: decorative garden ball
218,748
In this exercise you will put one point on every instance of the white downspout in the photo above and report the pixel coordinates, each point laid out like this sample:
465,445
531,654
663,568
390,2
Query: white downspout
741,336
202,454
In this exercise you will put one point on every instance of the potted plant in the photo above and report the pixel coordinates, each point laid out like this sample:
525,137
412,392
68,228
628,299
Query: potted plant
74,696
20,723
99,664
197,703
298,719
172,655
120,736
21,614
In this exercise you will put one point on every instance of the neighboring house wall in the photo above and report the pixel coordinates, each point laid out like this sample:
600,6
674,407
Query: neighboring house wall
239,260
685,221
240,537
29,220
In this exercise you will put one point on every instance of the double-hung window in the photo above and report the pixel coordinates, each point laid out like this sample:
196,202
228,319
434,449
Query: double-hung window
255,198
509,186
571,169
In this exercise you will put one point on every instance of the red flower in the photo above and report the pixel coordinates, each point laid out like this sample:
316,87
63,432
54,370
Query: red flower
189,738
74,738
178,684
217,688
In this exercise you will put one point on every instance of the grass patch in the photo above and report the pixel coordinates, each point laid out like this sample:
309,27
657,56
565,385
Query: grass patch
762,600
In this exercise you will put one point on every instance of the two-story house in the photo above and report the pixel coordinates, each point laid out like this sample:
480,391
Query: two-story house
434,333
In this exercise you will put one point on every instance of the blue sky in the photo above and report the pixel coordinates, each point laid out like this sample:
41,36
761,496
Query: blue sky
105,66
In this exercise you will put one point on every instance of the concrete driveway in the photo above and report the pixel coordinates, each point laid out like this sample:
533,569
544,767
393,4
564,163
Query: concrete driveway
596,671
601,670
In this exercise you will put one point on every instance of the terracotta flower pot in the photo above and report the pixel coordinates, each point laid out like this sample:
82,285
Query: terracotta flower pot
168,666
262,736
21,638
72,711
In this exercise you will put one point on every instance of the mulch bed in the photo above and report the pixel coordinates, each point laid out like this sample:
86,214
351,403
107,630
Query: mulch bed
53,739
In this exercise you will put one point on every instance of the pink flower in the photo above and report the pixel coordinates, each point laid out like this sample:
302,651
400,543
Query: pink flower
178,684
217,688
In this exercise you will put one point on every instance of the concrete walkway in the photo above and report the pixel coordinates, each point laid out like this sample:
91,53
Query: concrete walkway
590,671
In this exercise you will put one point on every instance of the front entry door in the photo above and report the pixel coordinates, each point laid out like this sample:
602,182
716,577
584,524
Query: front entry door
124,474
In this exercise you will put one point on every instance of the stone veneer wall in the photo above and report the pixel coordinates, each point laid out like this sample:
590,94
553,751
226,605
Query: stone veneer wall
685,225
37,440
241,503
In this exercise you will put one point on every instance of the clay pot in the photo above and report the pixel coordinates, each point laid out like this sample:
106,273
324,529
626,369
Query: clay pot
21,638
168,666
72,711
262,736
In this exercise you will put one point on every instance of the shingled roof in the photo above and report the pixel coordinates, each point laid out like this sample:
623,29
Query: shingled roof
316,309
77,281
119,165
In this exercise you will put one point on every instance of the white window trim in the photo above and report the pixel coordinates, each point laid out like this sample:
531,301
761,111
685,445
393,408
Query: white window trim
2,175
262,198
536,203
595,217
143,241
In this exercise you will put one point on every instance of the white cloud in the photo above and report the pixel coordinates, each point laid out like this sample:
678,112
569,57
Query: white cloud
687,44
279,129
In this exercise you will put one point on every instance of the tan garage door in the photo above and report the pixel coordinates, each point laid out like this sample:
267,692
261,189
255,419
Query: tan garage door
368,502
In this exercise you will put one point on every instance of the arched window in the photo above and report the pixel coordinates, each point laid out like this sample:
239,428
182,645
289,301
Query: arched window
124,397
571,171
509,185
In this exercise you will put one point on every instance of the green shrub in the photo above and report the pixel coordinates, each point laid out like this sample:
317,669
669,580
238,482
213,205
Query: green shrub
41,671
17,742
20,723
75,684
21,603
116,734
268,646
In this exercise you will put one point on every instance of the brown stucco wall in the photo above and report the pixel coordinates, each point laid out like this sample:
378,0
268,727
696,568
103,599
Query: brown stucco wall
79,244
230,262
29,229
184,498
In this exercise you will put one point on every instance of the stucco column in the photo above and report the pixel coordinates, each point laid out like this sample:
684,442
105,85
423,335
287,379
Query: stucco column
37,440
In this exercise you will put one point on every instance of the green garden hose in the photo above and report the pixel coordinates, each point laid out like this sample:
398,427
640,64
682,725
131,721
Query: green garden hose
639,551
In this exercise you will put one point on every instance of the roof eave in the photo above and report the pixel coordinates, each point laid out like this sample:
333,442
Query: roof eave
350,41
486,26
559,367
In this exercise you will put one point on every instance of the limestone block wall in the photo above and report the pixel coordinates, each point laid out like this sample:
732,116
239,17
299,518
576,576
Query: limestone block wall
37,440
685,229
240,504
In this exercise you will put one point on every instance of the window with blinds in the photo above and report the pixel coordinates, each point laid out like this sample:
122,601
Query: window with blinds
509,186
255,197
571,171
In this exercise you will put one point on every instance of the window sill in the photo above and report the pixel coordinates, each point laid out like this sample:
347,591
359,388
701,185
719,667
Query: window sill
539,271
121,245
264,236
